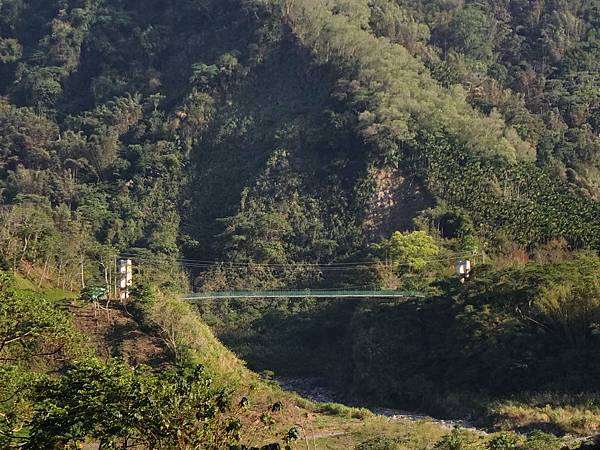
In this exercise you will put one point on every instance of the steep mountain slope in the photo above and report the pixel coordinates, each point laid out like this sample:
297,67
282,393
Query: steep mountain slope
262,128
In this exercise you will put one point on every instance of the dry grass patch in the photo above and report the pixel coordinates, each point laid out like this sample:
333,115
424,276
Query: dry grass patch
579,416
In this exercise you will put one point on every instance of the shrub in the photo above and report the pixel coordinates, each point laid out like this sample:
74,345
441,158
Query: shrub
337,409
117,406
504,441
539,440
379,443
458,439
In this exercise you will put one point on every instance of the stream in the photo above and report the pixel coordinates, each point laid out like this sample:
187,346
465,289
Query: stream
316,390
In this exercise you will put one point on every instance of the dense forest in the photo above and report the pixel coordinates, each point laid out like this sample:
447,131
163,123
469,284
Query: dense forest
270,144
276,132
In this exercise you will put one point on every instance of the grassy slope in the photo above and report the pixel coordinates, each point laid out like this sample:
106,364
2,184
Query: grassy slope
51,293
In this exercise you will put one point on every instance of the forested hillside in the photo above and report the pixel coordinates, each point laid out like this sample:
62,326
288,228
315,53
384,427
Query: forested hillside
266,131
267,144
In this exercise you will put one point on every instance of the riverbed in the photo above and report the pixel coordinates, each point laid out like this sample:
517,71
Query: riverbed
317,390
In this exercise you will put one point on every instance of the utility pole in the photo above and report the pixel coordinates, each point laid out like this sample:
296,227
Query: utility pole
116,283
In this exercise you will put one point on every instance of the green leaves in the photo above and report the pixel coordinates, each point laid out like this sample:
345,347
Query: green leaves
411,249
16,384
36,334
10,50
114,404
567,307
517,198
471,31
457,440
31,326
394,95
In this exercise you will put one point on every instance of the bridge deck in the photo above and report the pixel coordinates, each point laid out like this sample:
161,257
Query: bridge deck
304,294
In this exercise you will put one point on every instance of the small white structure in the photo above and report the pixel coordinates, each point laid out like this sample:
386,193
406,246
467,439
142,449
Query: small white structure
125,274
463,269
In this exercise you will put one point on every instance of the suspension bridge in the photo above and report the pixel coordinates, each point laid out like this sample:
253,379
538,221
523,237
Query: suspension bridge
308,293
356,293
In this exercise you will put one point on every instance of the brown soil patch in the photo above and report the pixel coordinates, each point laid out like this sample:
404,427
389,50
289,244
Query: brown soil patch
115,333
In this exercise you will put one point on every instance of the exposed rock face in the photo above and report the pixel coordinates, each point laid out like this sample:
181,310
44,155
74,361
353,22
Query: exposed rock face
396,201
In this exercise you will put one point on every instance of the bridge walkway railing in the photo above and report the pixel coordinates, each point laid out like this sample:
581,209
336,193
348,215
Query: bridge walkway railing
309,293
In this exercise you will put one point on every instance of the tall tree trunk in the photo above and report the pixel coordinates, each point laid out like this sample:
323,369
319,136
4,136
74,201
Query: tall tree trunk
105,270
110,278
35,246
82,271
25,245
43,272
60,267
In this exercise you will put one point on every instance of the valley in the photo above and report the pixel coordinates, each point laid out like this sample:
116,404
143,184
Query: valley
399,198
